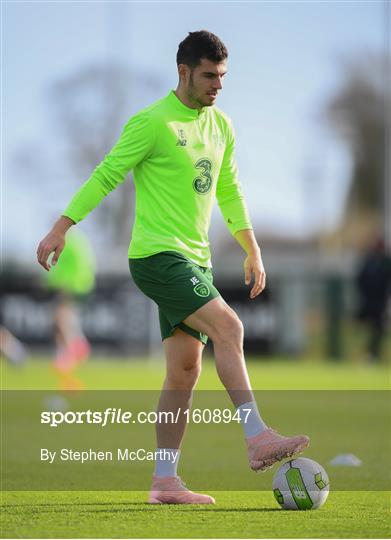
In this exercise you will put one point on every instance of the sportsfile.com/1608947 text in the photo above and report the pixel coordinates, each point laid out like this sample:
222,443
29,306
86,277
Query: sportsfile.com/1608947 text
112,416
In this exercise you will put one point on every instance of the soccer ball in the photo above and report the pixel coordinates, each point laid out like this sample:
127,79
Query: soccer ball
301,484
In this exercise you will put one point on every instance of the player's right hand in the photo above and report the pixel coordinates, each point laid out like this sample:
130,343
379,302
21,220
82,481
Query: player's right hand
53,242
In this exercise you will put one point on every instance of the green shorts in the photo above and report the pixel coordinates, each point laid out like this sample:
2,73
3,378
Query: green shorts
178,286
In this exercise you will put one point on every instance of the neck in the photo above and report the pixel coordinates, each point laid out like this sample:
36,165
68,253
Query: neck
186,99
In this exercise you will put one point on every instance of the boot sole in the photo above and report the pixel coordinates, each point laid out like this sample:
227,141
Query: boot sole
264,465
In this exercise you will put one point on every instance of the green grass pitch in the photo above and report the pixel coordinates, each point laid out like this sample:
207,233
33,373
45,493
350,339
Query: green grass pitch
237,514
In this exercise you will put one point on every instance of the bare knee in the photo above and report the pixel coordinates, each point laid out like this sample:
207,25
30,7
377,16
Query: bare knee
184,376
228,329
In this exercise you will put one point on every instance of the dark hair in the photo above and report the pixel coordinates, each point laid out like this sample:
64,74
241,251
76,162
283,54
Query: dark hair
198,45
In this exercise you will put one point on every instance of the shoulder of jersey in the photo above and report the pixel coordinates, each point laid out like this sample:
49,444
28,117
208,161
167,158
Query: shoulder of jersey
221,114
221,117
151,110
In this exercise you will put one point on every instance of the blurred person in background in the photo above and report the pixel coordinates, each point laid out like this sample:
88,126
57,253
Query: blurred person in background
72,279
181,150
11,347
373,284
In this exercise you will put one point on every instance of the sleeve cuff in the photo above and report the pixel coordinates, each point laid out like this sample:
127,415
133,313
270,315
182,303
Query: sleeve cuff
71,216
238,226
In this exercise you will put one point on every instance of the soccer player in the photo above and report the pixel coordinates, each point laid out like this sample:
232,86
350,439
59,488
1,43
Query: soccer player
11,347
72,279
181,151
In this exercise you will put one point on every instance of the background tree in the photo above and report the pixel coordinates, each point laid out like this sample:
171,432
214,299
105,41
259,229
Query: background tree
358,113
90,108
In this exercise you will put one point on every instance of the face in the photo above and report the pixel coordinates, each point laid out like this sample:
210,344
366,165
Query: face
203,83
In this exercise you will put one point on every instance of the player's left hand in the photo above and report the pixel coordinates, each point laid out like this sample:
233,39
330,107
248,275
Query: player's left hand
253,266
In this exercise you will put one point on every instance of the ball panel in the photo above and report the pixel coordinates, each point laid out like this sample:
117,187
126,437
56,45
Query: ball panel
298,489
278,496
319,481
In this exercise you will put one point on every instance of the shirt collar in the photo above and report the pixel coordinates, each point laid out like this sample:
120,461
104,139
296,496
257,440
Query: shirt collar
177,103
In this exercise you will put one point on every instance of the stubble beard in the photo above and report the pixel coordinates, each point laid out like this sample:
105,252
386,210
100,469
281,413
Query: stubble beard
192,96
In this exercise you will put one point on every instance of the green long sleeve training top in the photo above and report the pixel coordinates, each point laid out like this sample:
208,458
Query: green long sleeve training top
182,159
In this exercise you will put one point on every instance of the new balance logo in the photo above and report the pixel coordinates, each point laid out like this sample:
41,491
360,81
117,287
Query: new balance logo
182,141
194,280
